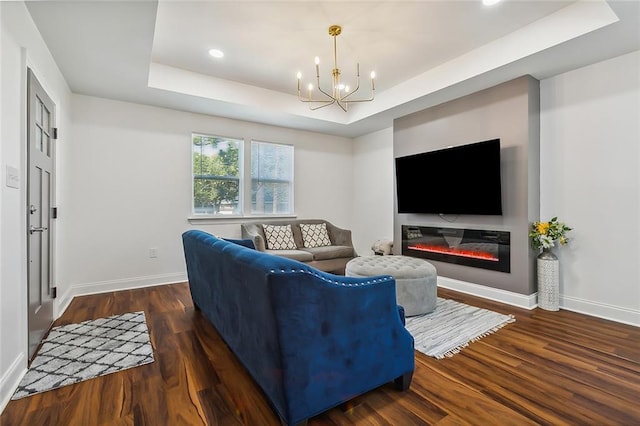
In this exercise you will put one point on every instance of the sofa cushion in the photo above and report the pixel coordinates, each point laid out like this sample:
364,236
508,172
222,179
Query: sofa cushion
299,255
329,252
279,237
315,235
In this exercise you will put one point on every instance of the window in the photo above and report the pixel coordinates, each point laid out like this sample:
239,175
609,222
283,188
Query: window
217,179
271,178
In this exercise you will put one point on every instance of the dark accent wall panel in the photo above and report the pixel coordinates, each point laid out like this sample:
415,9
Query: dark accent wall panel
511,112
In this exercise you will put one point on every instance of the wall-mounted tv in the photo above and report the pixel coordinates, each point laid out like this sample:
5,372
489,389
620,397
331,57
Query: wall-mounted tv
464,179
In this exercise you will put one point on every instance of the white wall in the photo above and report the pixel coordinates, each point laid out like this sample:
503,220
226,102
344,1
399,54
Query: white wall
373,204
129,185
21,47
590,162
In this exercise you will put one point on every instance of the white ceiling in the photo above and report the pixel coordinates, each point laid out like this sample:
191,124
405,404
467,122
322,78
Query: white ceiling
423,52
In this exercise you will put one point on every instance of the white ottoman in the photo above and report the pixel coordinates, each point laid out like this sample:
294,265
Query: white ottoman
416,288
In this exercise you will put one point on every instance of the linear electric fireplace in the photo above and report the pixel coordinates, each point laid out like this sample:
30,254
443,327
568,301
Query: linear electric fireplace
471,247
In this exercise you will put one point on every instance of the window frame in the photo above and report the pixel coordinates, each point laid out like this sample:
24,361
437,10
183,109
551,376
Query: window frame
244,169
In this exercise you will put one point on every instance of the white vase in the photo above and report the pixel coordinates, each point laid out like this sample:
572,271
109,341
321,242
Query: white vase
548,281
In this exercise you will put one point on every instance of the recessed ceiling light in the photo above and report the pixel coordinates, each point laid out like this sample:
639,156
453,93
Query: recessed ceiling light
216,53
490,2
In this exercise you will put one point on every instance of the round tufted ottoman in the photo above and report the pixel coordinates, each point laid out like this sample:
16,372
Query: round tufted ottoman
415,278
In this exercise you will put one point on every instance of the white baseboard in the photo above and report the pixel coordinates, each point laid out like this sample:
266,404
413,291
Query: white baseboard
115,285
11,379
502,296
601,310
587,307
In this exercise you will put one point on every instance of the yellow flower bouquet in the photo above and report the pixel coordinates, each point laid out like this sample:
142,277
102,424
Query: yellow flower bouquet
545,234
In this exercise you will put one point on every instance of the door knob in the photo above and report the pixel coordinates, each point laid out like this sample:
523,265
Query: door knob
33,229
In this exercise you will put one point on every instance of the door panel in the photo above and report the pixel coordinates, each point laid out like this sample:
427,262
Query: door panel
40,150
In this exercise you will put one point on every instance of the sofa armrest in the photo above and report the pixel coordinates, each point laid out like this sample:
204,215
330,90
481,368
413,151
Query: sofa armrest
341,237
248,243
253,232
338,336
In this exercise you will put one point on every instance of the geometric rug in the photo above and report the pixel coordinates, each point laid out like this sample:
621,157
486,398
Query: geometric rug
452,326
76,352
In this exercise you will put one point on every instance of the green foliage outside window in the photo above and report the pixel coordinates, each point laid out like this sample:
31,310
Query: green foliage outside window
216,175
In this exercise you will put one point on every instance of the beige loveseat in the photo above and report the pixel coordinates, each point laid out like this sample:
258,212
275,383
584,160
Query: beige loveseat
331,258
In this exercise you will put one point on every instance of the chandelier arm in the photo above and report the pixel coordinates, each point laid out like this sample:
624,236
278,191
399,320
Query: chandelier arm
362,100
322,106
323,92
309,99
372,97
344,98
346,95
369,99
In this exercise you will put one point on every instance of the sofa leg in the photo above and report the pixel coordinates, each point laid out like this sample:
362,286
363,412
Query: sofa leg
402,383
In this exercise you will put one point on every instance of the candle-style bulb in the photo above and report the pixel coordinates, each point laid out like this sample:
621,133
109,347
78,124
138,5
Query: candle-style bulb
299,75
317,60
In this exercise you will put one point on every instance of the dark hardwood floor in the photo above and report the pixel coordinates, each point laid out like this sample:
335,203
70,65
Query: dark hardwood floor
547,368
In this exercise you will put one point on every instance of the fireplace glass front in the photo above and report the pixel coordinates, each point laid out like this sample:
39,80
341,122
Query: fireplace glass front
478,248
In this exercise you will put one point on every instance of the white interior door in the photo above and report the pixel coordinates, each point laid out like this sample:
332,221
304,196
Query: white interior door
40,157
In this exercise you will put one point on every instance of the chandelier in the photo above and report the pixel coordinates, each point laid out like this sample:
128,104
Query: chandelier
340,93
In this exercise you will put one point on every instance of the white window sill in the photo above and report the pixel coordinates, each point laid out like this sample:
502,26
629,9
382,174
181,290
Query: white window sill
220,219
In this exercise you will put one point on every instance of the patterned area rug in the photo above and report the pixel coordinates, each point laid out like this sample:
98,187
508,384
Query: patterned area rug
77,352
452,326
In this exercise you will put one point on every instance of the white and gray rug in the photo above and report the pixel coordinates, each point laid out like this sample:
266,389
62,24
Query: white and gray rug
76,352
452,326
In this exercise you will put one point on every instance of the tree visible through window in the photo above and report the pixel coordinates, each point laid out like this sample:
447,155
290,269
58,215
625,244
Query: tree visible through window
271,178
217,181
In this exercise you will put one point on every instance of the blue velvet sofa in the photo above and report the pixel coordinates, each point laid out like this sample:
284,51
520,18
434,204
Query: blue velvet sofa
310,339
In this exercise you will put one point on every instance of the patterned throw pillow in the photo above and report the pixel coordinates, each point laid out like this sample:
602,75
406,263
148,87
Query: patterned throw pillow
315,235
279,237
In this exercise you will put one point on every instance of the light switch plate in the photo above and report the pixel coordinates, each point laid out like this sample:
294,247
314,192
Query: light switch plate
13,177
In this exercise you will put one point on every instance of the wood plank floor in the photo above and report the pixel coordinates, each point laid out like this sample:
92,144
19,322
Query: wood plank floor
547,368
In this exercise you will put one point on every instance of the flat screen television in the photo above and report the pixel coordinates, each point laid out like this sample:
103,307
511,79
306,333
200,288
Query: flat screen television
464,179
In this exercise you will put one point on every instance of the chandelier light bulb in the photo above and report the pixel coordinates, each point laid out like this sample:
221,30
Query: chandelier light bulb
299,75
317,60
310,87
373,75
